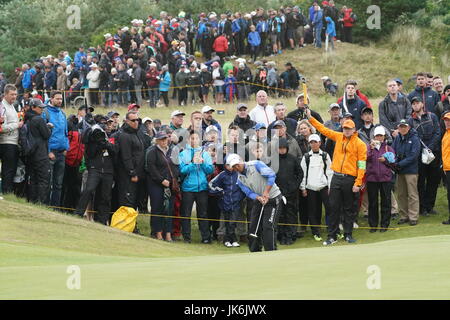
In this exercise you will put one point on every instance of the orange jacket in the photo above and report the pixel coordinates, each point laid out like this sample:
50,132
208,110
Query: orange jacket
349,155
446,151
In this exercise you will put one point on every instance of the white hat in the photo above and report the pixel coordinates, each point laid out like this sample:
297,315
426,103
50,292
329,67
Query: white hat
146,119
153,64
107,35
134,21
94,65
203,66
124,29
314,137
207,109
233,159
379,130
211,128
177,113
240,60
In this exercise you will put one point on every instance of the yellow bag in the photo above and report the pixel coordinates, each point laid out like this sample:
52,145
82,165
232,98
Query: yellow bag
124,219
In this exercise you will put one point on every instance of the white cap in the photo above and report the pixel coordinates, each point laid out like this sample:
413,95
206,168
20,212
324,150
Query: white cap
211,128
314,137
124,29
379,130
177,113
94,65
207,109
146,119
233,159
153,64
240,60
107,35
203,66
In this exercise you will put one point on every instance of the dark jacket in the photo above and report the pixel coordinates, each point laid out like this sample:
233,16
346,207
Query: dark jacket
41,133
38,80
225,184
407,150
243,75
377,171
367,135
428,129
354,106
289,174
156,166
99,152
429,97
131,152
291,126
299,114
390,112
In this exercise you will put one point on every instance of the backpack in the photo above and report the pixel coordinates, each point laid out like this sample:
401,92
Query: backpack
27,141
324,159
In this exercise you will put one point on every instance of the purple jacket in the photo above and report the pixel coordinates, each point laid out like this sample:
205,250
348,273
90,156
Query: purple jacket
377,171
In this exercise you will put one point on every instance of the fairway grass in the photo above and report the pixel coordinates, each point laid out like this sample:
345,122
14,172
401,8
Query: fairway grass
37,246
409,269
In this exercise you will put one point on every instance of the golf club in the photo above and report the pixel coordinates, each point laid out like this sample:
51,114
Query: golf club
255,235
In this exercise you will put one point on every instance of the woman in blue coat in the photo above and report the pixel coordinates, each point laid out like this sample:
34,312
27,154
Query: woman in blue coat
331,31
195,165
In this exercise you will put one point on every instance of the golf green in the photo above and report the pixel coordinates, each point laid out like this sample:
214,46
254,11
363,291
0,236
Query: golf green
414,268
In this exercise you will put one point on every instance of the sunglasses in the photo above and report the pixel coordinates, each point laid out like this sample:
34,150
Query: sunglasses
134,120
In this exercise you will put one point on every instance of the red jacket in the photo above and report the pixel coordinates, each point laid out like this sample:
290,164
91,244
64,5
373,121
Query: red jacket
76,149
151,75
348,21
361,96
220,44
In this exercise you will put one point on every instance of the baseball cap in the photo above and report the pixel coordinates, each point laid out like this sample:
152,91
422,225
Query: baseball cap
333,105
416,99
279,123
403,122
366,109
348,124
233,159
156,121
146,119
176,53
446,116
398,80
348,115
211,128
161,135
207,109
112,113
241,105
177,113
314,137
379,130
36,103
260,126
133,105
85,107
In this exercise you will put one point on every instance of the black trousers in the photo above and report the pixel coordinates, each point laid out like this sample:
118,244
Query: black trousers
201,202
182,96
315,200
348,37
128,191
447,176
384,189
303,212
343,201
156,193
39,173
164,95
97,182
267,230
9,155
288,215
427,184
213,213
230,224
71,189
